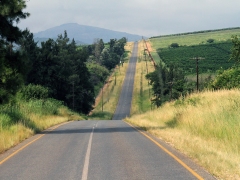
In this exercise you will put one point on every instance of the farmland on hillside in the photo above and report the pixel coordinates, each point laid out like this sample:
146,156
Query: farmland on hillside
216,53
194,38
216,56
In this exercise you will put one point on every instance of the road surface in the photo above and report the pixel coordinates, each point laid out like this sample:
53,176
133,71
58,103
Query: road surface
125,99
92,150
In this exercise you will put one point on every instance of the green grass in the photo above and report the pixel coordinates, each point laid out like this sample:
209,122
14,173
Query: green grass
194,39
156,57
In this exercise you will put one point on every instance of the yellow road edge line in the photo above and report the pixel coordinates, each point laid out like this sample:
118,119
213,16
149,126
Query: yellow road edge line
14,153
169,153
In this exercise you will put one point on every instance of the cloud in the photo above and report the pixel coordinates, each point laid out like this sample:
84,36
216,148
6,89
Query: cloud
143,17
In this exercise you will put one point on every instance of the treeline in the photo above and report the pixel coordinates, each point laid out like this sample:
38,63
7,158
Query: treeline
195,32
57,69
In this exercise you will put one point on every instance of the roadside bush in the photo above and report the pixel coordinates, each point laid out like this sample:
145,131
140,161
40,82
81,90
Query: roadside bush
32,91
227,79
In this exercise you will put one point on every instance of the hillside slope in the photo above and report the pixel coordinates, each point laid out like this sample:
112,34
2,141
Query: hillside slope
84,34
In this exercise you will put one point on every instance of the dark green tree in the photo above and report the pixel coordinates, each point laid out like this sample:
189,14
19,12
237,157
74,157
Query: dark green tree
174,45
12,61
168,83
29,47
61,68
235,49
98,47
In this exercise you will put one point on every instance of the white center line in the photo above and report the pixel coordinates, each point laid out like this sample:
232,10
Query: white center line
87,157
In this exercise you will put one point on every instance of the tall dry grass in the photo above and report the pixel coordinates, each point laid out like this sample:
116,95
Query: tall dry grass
141,101
23,119
205,126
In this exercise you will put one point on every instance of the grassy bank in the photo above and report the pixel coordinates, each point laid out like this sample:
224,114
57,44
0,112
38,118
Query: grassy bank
107,100
141,101
23,119
205,126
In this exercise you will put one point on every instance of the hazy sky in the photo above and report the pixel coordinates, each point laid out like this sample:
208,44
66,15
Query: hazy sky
142,17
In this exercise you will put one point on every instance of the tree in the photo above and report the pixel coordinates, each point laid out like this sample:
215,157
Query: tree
12,61
167,83
156,80
11,13
106,59
98,73
112,42
226,79
174,45
98,47
29,47
61,68
235,49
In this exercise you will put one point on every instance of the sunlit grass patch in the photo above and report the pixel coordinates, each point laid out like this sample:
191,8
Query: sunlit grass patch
13,135
193,39
141,101
24,118
205,126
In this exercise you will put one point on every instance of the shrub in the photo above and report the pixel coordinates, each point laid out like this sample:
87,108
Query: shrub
227,79
210,40
174,45
32,91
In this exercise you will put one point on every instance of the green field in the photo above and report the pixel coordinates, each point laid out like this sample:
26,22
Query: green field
193,38
216,55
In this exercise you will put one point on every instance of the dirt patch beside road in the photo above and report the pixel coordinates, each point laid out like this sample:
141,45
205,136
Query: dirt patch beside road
149,46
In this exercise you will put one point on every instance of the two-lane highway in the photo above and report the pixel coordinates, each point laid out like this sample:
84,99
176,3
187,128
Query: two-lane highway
90,150
125,99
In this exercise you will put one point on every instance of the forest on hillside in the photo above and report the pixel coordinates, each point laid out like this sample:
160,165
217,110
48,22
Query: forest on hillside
56,69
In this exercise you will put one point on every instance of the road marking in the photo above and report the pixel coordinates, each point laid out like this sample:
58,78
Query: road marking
87,157
169,153
14,153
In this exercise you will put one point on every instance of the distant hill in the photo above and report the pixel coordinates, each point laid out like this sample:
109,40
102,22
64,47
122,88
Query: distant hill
83,34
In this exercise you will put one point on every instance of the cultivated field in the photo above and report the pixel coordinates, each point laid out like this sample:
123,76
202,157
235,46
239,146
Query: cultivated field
193,39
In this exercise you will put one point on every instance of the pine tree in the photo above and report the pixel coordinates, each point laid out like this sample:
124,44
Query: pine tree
12,61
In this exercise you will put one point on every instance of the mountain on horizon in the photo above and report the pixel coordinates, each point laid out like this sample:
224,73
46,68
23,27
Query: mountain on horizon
83,34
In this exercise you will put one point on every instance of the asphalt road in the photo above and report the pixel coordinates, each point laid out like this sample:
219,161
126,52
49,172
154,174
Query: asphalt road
125,99
92,150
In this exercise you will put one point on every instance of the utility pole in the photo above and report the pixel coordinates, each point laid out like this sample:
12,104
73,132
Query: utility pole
146,59
102,97
197,59
171,86
73,103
